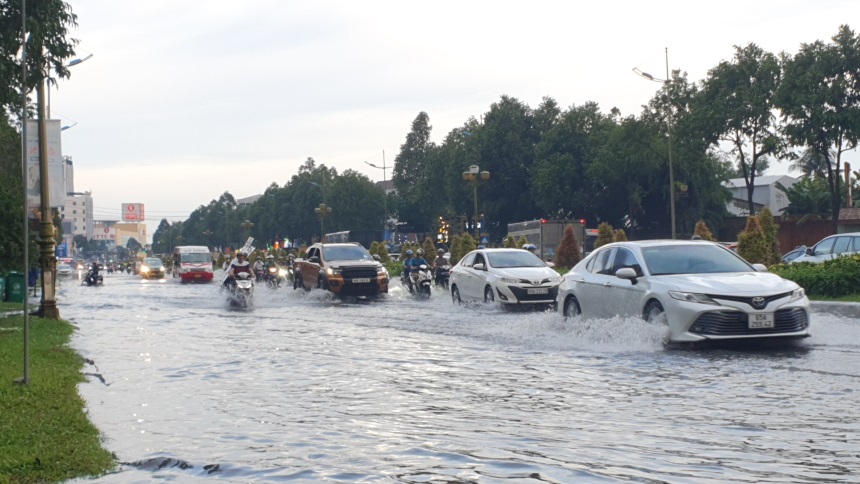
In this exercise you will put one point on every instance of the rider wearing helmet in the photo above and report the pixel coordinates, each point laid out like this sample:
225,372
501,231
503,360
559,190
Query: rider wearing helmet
530,247
418,260
239,265
440,259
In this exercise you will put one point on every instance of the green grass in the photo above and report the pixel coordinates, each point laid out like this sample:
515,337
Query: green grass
855,298
45,435
13,306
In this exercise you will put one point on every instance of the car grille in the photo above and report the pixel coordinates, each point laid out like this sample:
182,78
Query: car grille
748,300
736,323
522,295
353,272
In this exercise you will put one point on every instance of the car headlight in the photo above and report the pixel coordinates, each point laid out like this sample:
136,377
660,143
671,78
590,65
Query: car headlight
333,271
693,297
509,280
556,280
798,293
381,270
144,269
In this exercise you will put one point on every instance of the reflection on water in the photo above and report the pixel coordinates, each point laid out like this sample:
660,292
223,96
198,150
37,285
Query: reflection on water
303,387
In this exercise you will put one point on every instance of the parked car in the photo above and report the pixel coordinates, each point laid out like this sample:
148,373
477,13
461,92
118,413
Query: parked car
510,276
793,254
152,268
700,290
64,270
831,247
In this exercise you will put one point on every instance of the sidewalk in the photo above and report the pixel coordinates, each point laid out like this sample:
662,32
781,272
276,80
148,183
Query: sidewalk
844,309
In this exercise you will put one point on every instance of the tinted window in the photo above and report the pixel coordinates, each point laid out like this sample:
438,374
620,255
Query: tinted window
479,259
692,259
625,258
346,252
514,258
824,247
842,245
601,262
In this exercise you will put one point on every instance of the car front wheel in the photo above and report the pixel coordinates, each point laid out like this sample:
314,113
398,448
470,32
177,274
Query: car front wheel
653,311
488,295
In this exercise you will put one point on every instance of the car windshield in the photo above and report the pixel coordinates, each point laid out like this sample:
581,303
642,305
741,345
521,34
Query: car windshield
349,252
195,257
514,258
153,262
692,259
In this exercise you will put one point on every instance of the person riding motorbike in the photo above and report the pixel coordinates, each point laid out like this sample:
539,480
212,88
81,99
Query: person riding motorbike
93,275
440,261
239,265
530,247
270,262
259,269
407,266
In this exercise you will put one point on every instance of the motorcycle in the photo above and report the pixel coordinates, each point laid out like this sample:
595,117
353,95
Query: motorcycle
128,268
443,274
241,292
421,280
260,273
92,280
272,277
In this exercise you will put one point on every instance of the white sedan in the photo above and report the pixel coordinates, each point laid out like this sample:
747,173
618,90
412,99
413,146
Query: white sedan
511,276
700,290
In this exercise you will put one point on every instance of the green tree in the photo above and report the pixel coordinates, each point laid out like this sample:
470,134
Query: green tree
522,241
820,101
809,198
133,244
770,232
568,253
412,168
429,248
619,236
509,242
456,249
737,100
467,244
383,254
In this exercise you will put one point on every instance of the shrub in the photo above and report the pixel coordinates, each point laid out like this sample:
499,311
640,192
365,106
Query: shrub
382,252
832,278
703,231
605,234
467,244
456,250
619,236
510,243
770,229
429,249
568,253
752,244
521,242
374,248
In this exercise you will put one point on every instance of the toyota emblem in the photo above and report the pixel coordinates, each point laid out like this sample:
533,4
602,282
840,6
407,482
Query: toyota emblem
758,302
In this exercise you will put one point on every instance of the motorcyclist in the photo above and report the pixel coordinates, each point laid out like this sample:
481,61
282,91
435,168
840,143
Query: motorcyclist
94,273
407,266
239,265
440,261
530,247
416,262
270,262
258,269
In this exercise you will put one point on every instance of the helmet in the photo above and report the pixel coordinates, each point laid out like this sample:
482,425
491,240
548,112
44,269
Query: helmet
481,247
270,256
421,252
440,251
409,252
525,246
530,247
242,253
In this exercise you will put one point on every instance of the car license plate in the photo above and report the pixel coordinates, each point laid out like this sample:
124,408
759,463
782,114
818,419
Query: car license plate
764,320
197,276
540,290
359,280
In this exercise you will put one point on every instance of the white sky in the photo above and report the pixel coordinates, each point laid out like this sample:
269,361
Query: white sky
183,100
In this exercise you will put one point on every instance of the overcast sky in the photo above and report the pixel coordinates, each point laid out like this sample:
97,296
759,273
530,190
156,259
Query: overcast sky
182,101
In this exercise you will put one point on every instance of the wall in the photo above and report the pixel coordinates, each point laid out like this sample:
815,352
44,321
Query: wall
790,234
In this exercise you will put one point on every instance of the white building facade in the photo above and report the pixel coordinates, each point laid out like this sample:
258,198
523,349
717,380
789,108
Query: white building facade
765,194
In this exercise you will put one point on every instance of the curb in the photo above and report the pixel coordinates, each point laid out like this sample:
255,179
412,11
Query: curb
845,309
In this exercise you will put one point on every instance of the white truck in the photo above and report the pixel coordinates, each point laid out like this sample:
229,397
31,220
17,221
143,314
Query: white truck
192,263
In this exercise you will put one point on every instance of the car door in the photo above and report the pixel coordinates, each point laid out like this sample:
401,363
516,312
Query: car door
462,275
822,251
476,278
627,298
310,271
591,292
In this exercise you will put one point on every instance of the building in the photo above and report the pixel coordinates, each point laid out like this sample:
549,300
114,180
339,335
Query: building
388,186
126,231
765,194
77,215
247,201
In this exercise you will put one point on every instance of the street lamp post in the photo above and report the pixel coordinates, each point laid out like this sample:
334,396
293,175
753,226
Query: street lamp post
322,212
73,62
384,192
669,128
473,175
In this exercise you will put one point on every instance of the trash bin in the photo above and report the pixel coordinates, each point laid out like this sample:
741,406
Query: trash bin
15,287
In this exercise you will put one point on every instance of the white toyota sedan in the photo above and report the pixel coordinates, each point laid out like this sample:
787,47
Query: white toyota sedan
510,276
699,290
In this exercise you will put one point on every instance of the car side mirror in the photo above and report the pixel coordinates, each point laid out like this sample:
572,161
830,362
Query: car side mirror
478,267
376,257
314,259
550,264
627,273
809,251
760,267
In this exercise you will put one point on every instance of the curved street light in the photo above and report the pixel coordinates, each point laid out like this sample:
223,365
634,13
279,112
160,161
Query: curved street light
384,192
669,128
71,63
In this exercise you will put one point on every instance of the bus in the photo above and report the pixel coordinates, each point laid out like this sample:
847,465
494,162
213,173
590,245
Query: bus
192,263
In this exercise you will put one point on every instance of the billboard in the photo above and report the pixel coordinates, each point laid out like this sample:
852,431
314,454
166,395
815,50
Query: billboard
104,233
56,181
132,212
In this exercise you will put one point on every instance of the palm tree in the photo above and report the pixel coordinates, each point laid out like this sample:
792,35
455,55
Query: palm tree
813,162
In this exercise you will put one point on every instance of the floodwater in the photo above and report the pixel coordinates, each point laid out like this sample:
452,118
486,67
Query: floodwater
304,388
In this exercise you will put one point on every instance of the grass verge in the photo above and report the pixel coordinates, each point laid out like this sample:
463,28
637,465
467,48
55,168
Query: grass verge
854,298
45,435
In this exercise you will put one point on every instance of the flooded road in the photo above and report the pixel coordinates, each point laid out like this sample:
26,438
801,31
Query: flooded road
305,388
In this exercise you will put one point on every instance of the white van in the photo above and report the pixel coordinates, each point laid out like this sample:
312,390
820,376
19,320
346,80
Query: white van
192,263
831,247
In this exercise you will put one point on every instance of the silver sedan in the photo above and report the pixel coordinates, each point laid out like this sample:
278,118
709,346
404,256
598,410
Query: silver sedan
699,290
510,276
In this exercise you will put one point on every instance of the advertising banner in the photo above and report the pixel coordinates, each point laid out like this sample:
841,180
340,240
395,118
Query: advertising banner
132,212
104,233
55,166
